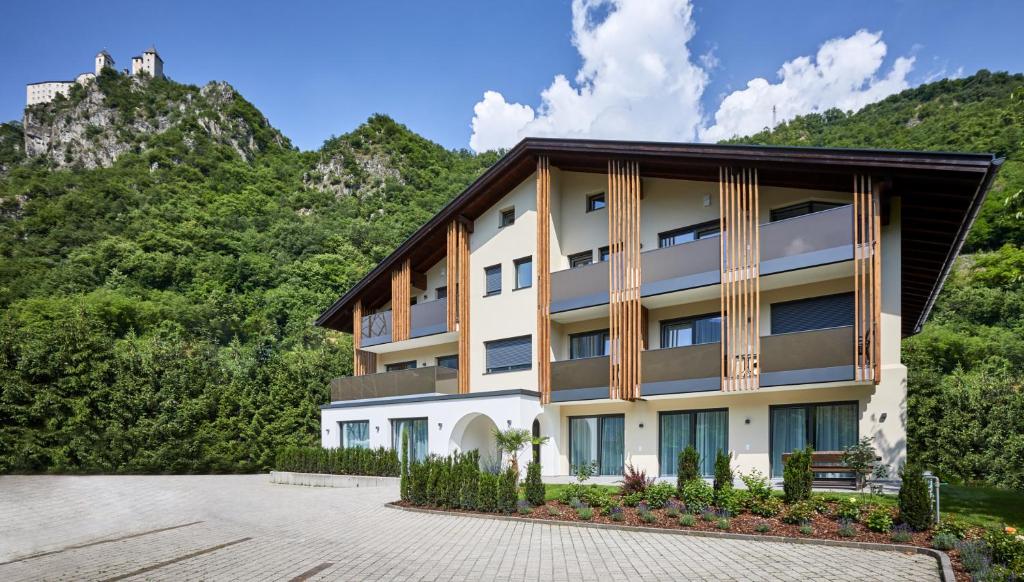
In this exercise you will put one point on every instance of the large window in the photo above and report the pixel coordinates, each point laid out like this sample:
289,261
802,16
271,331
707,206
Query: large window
581,259
598,440
687,234
814,313
400,366
826,427
687,331
492,280
590,344
507,355
705,430
417,431
802,208
355,434
524,272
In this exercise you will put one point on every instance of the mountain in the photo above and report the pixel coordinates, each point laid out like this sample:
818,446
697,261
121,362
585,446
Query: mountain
966,367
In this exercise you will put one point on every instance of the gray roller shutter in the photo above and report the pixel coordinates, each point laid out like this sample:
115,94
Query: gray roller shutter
814,313
492,275
508,354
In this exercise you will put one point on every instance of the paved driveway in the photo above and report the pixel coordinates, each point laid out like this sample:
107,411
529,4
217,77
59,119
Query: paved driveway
244,528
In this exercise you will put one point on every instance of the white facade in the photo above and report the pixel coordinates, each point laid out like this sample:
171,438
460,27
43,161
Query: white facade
150,63
103,61
46,91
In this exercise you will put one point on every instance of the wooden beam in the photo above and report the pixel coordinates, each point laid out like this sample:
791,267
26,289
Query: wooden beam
466,222
401,300
542,268
624,279
452,276
462,294
740,296
418,280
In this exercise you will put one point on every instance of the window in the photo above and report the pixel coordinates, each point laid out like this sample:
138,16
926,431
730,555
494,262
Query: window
814,313
687,234
451,361
524,272
589,345
507,217
507,355
442,292
492,280
355,434
400,366
595,202
705,430
602,254
416,428
598,440
581,259
826,427
688,331
802,208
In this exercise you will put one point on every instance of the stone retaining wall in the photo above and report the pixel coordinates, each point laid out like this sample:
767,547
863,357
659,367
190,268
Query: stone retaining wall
327,480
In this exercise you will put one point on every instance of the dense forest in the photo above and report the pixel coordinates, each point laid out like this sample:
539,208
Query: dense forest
164,250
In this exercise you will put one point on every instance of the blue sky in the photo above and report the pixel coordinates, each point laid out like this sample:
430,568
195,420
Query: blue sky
317,69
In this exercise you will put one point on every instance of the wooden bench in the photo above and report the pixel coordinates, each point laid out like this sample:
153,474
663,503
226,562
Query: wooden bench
829,462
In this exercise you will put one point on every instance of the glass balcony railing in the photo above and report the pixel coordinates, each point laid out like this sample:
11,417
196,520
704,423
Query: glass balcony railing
426,318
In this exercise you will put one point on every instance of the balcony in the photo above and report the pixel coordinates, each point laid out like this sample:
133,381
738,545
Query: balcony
812,240
807,357
414,382
427,320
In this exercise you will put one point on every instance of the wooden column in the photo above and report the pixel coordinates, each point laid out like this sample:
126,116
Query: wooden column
401,284
741,285
452,276
625,313
542,269
363,362
457,279
867,279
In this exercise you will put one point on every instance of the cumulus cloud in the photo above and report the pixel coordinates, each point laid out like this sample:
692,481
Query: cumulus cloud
843,75
639,80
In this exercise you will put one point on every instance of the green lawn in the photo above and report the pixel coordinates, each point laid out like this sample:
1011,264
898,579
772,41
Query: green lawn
984,506
554,491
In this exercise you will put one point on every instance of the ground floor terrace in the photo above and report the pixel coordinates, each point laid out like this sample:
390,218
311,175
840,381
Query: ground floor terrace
242,527
756,427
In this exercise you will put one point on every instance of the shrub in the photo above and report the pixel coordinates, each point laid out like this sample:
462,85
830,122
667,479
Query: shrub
523,507
658,494
379,462
708,515
757,484
799,513
419,474
688,468
469,487
508,490
723,471
768,507
554,511
860,458
534,487
632,499
953,527
616,513
879,520
487,493
635,480
648,517
846,527
902,533
592,495
797,476
403,483
728,500
1006,546
806,530
819,503
974,555
763,527
697,495
944,541
687,520
914,499
673,509
585,513
848,508
723,523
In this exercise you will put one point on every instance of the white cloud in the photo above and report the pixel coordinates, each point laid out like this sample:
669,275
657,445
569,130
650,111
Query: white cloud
638,80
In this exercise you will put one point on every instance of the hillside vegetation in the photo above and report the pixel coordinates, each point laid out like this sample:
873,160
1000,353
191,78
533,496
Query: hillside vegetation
164,250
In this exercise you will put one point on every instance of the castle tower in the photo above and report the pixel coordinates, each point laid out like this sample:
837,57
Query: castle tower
103,60
150,62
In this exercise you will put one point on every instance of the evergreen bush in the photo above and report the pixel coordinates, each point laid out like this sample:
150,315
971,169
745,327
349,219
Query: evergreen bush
688,468
508,490
487,496
723,471
914,499
534,485
797,477
403,483
379,462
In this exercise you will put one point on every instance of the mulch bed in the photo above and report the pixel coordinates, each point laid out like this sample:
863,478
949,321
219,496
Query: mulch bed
824,527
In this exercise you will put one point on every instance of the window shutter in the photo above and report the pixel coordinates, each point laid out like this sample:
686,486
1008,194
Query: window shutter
493,276
508,354
814,313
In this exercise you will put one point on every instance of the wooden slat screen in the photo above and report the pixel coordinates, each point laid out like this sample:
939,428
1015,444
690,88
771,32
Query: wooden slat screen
462,294
543,273
741,284
625,317
867,277
452,276
401,286
363,362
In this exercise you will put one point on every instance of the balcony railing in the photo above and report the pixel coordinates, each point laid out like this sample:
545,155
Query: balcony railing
412,382
814,239
426,318
683,369
805,357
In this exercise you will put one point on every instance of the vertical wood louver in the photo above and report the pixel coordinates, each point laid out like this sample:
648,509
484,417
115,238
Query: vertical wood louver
625,313
363,362
543,271
451,276
401,286
458,293
867,277
741,284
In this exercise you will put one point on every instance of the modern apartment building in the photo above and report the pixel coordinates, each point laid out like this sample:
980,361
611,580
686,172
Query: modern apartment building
627,299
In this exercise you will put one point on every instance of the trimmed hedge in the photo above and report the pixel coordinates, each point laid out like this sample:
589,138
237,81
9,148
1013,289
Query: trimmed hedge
372,462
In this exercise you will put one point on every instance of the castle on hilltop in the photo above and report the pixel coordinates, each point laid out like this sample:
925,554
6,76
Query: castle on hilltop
149,62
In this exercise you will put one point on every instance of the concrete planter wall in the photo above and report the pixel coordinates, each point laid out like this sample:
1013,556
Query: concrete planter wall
326,480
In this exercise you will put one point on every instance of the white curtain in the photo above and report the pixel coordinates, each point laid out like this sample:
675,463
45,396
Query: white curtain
675,436
712,436
789,433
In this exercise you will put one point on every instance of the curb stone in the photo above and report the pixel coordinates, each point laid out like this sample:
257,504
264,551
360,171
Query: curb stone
945,566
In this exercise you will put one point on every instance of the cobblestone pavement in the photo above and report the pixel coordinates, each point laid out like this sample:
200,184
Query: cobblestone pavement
245,528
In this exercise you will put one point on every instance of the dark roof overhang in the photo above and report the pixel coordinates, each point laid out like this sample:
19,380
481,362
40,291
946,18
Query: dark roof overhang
941,194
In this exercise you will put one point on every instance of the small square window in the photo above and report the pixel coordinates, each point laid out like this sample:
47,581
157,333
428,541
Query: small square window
507,218
524,272
581,259
442,292
602,254
595,202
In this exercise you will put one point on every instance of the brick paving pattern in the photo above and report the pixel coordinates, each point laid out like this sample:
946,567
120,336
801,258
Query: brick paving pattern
245,528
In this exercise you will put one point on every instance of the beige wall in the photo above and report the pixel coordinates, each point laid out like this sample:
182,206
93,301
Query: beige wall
424,356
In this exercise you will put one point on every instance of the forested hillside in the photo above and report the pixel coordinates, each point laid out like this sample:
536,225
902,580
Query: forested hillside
157,294
966,367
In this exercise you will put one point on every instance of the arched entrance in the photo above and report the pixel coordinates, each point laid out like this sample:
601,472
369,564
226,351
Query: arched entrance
475,431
